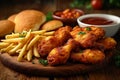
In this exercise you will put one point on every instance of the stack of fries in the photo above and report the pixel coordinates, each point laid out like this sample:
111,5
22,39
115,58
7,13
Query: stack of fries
23,44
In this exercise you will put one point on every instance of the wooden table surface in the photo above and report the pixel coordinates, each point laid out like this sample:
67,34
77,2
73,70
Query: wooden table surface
111,72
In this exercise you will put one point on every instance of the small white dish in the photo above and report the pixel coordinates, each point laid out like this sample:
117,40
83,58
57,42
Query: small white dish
110,29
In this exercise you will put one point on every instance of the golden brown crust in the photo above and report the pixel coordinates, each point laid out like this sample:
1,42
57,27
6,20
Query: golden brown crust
91,56
29,19
46,45
6,27
52,25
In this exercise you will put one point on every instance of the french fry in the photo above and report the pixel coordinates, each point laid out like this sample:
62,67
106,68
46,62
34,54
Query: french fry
29,55
7,48
49,33
35,51
18,51
33,41
28,35
19,46
12,36
38,32
28,41
22,53
25,44
3,44
17,35
13,40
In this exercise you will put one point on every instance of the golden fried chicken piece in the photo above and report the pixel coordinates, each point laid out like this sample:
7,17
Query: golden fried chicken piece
99,32
75,31
86,40
61,54
87,36
91,56
63,34
60,37
106,43
46,45
65,28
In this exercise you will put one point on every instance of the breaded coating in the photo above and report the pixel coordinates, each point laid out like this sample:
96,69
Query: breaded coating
91,56
60,55
80,44
75,31
99,32
46,45
108,43
60,38
63,34
87,36
86,40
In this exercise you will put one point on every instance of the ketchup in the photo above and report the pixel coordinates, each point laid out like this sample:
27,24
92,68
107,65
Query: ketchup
97,21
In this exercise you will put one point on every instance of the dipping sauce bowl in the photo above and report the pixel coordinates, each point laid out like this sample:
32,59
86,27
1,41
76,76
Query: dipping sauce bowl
110,23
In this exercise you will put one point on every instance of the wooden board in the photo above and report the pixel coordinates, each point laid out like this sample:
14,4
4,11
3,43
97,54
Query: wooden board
69,69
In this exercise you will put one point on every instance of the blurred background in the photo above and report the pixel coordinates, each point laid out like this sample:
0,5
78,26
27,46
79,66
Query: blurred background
9,7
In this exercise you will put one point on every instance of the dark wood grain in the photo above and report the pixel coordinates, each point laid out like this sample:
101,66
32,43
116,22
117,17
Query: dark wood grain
8,74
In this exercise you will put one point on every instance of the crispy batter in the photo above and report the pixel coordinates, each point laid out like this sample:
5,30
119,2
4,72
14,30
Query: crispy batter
106,43
75,31
46,45
87,36
98,32
66,44
91,56
86,40
60,38
63,34
61,54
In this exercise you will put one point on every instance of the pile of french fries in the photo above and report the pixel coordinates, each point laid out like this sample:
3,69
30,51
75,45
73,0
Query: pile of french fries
23,44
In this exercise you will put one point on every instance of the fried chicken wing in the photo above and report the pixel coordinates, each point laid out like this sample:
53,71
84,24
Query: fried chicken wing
98,32
91,56
87,36
86,40
60,37
67,42
63,34
75,31
106,43
46,45
61,54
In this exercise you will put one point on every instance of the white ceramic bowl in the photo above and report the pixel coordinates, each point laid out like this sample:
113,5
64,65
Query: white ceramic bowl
110,29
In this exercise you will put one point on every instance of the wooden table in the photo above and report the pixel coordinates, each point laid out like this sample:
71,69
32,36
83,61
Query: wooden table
111,72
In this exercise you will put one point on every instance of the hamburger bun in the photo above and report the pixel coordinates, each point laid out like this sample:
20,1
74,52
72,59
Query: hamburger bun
29,19
12,17
6,27
52,25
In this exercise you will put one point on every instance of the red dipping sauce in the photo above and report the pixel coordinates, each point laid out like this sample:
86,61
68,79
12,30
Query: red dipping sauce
97,21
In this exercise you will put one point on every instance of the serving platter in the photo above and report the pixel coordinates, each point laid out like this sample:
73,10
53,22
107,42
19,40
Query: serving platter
37,69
